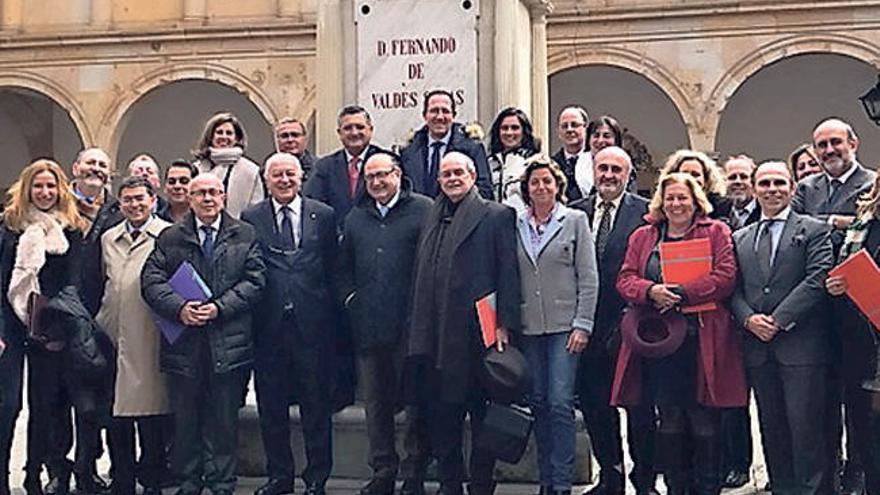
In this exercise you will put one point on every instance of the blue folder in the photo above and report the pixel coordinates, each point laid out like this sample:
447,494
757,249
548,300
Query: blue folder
189,285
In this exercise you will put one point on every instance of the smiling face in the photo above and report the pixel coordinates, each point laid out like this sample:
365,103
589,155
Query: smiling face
223,136
510,133
177,184
738,172
439,115
695,169
542,189
572,130
283,178
773,187
805,166
835,146
144,166
602,137
611,169
678,204
136,205
455,178
206,197
290,137
92,169
382,177
44,191
355,133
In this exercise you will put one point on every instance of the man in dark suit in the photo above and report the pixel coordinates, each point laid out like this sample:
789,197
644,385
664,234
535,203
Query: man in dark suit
574,156
335,179
440,135
780,300
297,237
207,364
291,137
467,251
377,257
831,197
613,214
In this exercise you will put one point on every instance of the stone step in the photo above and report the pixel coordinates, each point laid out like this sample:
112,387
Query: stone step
350,448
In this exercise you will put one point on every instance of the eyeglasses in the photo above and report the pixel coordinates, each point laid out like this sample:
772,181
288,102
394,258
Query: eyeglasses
378,175
207,192
571,125
178,180
290,135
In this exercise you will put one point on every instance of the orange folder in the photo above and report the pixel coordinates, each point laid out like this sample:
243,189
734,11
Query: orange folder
684,261
488,321
862,284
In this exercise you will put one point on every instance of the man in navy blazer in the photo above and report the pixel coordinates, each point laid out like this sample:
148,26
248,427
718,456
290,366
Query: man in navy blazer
440,135
294,325
335,179
611,169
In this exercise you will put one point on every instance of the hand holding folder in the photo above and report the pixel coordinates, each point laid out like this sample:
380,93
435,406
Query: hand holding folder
684,261
188,284
862,278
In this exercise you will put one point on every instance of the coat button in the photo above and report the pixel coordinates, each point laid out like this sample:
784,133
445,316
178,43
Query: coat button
379,250
766,290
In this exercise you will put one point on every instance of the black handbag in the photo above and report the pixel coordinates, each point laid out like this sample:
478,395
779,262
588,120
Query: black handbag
505,433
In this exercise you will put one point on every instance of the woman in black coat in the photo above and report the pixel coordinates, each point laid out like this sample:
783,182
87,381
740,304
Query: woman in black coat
41,238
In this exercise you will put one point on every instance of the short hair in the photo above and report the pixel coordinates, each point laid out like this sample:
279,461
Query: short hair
438,92
577,108
462,159
850,132
291,120
741,157
609,122
536,163
133,182
616,150
712,177
278,156
702,206
203,147
395,160
529,142
86,150
143,157
181,163
352,110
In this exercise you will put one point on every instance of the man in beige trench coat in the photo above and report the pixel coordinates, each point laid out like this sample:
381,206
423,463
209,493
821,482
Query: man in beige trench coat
140,392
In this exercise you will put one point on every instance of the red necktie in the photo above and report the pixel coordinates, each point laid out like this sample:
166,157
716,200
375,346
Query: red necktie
352,176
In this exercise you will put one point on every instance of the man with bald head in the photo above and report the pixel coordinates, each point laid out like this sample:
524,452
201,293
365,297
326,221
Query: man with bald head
467,250
379,244
207,364
574,156
780,301
294,346
613,214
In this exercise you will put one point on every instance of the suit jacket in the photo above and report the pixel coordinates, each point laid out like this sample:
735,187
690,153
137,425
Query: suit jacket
329,183
794,292
582,185
298,303
414,159
560,282
811,196
609,307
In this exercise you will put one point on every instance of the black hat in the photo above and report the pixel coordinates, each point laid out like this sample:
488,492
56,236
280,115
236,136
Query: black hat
651,334
505,374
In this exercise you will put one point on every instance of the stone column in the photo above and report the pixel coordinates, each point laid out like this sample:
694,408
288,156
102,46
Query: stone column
13,11
195,10
540,90
504,46
329,80
102,13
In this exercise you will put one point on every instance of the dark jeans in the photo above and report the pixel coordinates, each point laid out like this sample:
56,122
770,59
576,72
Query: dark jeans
379,375
11,366
736,440
151,467
306,369
791,406
205,410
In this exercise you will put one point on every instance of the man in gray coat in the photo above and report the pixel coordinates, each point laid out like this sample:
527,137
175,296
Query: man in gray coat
780,300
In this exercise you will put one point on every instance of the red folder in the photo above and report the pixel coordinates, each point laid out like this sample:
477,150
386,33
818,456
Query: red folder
862,284
684,261
488,321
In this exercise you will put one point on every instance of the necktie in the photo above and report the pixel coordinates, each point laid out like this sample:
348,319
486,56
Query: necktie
433,168
833,187
353,176
287,236
135,234
604,229
765,245
208,241
383,210
573,192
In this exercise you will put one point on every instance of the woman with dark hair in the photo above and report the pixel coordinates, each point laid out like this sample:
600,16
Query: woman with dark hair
511,141
220,151
39,250
860,341
559,277
804,162
708,176
603,132
702,372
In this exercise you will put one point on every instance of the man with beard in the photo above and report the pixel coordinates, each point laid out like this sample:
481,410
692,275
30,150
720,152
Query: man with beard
738,173
614,214
574,157
831,197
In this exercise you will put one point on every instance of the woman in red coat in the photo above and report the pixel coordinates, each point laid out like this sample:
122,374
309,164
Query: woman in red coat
705,373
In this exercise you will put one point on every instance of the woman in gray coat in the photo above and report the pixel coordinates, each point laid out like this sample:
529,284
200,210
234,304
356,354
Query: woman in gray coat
557,263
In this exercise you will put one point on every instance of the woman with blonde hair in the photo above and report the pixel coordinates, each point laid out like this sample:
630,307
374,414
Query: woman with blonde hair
220,151
707,174
39,255
804,162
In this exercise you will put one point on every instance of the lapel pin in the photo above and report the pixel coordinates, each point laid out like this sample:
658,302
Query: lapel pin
313,216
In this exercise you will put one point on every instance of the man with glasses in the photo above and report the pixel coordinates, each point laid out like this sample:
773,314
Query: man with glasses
294,344
205,366
420,159
574,157
291,137
378,250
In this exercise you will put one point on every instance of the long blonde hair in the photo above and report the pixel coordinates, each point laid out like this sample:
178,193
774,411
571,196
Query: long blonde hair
712,175
869,202
18,198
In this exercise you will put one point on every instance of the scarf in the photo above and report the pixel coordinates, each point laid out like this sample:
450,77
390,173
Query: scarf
43,234
227,157
856,235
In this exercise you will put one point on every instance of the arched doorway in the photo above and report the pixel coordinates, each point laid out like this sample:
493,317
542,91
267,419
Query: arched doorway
34,125
167,121
636,102
777,108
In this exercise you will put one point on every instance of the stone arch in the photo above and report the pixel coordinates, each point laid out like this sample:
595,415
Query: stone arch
55,92
114,118
634,61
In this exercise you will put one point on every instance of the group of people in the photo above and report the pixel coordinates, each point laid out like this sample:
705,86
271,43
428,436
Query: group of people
396,248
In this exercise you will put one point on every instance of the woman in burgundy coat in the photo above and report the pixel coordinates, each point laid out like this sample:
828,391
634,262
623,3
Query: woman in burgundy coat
705,373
